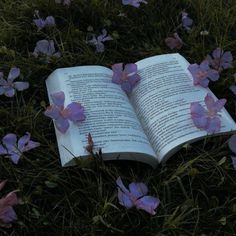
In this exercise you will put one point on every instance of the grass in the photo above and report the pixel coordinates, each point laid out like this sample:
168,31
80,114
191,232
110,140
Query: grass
196,186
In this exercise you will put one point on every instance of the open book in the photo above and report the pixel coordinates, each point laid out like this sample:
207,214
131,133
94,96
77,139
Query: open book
149,125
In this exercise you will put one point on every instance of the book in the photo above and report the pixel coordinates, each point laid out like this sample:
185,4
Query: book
149,125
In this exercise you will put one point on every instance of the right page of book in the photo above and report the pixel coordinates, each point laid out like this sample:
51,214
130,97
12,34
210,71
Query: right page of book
162,102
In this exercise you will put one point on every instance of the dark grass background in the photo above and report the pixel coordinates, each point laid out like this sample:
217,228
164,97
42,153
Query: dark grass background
196,186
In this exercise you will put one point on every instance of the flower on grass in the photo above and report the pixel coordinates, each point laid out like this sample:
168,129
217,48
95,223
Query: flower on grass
187,22
46,48
232,146
7,213
127,77
209,119
8,87
202,73
41,23
233,87
73,112
134,3
220,60
13,149
64,2
174,42
136,196
98,42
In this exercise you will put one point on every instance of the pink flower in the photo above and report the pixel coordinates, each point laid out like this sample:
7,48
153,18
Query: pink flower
127,77
135,196
13,149
7,213
174,42
8,87
209,119
73,112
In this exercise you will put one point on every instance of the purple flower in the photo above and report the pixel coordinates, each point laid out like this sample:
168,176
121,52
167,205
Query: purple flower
220,60
135,196
41,23
174,42
14,150
46,48
232,146
186,21
202,73
233,87
8,87
7,213
127,77
73,112
64,2
134,3
208,119
98,42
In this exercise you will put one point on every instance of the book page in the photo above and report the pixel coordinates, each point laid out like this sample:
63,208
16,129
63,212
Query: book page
110,118
162,102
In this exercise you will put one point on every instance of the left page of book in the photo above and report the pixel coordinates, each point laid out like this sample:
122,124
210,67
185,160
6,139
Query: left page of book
110,118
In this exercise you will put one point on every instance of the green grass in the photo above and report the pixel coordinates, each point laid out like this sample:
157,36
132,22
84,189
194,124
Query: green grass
196,186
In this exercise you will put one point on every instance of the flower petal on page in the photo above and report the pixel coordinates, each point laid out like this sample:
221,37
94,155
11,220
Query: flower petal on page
213,125
74,112
52,112
58,98
131,68
62,124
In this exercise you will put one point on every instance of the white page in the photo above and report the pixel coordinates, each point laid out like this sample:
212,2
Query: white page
110,118
162,102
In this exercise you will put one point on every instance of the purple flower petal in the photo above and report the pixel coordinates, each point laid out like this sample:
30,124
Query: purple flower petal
58,99
22,142
121,186
15,157
74,112
127,87
198,115
204,65
148,203
124,199
138,189
232,143
213,125
3,82
233,162
9,141
62,124
40,23
50,21
13,74
130,68
3,151
203,82
9,92
213,75
52,112
20,86
217,53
